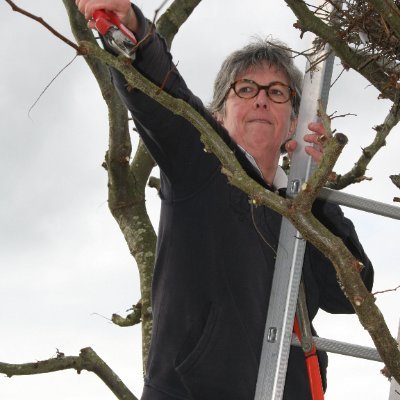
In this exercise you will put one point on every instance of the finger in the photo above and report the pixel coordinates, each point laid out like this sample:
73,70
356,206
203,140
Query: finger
90,9
316,127
79,5
82,7
318,139
91,24
315,153
90,6
319,128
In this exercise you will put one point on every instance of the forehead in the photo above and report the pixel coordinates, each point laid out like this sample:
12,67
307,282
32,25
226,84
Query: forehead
264,74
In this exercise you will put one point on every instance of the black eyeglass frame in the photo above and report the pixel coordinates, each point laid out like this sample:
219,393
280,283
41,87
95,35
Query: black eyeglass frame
292,92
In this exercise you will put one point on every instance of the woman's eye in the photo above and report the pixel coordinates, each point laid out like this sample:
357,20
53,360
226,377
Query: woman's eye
246,89
276,92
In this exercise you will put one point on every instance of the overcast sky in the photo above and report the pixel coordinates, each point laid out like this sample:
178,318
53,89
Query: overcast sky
64,263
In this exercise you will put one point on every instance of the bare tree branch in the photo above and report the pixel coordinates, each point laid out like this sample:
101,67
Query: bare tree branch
356,174
332,150
390,13
44,23
127,182
176,15
87,360
131,319
367,66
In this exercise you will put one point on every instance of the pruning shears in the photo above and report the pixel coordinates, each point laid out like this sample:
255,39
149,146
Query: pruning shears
117,35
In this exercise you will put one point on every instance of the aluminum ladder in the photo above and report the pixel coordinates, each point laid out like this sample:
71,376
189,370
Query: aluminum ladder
289,262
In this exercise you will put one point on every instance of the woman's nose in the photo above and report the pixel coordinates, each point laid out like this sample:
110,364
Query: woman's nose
262,100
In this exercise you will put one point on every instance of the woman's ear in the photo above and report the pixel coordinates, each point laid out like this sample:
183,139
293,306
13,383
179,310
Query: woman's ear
219,118
292,128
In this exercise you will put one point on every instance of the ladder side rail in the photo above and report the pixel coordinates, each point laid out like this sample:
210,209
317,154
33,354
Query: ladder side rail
281,311
289,262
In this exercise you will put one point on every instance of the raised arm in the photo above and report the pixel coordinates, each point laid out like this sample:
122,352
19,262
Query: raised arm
173,142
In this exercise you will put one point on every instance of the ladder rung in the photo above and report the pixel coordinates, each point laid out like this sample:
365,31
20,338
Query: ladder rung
360,203
346,349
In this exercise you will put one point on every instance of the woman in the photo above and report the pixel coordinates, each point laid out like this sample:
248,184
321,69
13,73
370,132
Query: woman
216,252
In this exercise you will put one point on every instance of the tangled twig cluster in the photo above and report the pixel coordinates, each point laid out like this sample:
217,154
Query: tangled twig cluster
363,27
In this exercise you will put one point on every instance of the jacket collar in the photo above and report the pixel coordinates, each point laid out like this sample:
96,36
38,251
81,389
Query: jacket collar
280,179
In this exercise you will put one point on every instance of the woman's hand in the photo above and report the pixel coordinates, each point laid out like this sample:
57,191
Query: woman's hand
318,138
122,8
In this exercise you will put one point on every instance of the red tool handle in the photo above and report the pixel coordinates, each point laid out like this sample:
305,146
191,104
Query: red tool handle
313,370
104,20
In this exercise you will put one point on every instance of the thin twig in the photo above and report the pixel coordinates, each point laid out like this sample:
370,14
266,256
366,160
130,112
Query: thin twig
333,116
386,291
48,85
45,24
102,316
153,26
158,10
338,77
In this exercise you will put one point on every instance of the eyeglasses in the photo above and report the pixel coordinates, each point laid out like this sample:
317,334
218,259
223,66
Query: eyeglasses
276,91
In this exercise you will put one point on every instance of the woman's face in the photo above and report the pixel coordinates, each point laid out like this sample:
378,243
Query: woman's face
258,124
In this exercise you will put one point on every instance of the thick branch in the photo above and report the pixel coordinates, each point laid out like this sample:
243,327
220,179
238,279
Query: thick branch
87,360
390,13
126,182
366,65
176,15
332,150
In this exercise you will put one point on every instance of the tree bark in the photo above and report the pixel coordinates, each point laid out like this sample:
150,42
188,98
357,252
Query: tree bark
127,181
169,23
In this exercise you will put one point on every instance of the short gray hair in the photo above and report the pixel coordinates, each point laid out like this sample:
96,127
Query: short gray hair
260,51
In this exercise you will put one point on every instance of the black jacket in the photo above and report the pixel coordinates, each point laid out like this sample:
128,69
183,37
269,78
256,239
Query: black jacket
216,256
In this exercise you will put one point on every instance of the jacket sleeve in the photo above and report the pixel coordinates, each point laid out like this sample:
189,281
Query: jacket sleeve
172,141
331,296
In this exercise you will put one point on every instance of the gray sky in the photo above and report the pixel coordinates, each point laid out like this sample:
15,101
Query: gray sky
62,257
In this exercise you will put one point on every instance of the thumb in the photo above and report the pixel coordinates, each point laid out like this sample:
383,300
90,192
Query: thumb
91,24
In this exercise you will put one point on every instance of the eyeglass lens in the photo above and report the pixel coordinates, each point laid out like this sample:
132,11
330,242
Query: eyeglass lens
277,92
